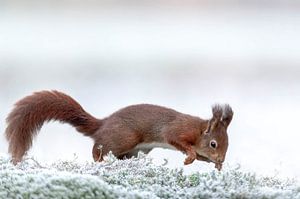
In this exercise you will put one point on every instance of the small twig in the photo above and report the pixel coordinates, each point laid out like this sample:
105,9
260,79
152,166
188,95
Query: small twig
36,162
165,162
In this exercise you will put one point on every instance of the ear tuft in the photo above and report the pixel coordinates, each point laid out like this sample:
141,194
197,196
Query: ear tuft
227,114
222,113
217,111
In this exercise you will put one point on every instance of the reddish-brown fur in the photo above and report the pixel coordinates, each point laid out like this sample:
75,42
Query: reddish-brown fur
122,131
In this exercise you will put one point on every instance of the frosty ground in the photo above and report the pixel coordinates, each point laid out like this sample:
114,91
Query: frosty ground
133,178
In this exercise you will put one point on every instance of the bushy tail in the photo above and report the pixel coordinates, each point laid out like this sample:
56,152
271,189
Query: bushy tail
30,113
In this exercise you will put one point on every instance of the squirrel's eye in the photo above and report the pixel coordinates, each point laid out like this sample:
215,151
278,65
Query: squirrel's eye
213,144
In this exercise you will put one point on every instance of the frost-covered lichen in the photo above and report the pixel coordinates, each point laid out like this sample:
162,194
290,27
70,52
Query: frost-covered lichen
133,178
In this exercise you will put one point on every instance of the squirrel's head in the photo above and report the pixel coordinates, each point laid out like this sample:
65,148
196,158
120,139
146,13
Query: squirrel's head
214,141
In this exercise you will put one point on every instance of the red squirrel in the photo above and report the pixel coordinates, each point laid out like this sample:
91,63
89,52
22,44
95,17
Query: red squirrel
125,132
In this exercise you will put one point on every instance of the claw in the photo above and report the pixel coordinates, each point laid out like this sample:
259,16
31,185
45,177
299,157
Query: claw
100,152
218,166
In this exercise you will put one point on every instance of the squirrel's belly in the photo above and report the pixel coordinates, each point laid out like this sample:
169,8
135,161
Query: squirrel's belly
152,145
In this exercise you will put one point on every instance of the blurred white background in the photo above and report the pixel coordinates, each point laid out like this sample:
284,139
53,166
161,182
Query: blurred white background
186,55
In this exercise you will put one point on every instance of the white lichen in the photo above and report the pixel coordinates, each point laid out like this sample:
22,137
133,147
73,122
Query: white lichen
133,178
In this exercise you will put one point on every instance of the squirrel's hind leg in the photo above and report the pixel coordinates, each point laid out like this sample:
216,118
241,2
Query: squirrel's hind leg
111,140
98,152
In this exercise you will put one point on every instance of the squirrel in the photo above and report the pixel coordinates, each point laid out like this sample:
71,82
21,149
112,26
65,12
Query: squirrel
125,132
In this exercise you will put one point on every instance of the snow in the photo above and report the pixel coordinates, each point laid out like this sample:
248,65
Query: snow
133,178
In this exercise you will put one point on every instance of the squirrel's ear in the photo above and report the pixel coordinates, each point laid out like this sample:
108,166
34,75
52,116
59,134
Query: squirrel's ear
222,114
217,111
227,115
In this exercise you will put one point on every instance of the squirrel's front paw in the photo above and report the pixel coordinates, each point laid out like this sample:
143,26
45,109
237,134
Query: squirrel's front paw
189,160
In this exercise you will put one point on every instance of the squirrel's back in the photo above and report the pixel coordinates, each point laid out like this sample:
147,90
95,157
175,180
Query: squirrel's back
149,121
145,116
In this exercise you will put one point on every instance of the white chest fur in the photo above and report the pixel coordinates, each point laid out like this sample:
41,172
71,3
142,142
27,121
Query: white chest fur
152,145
